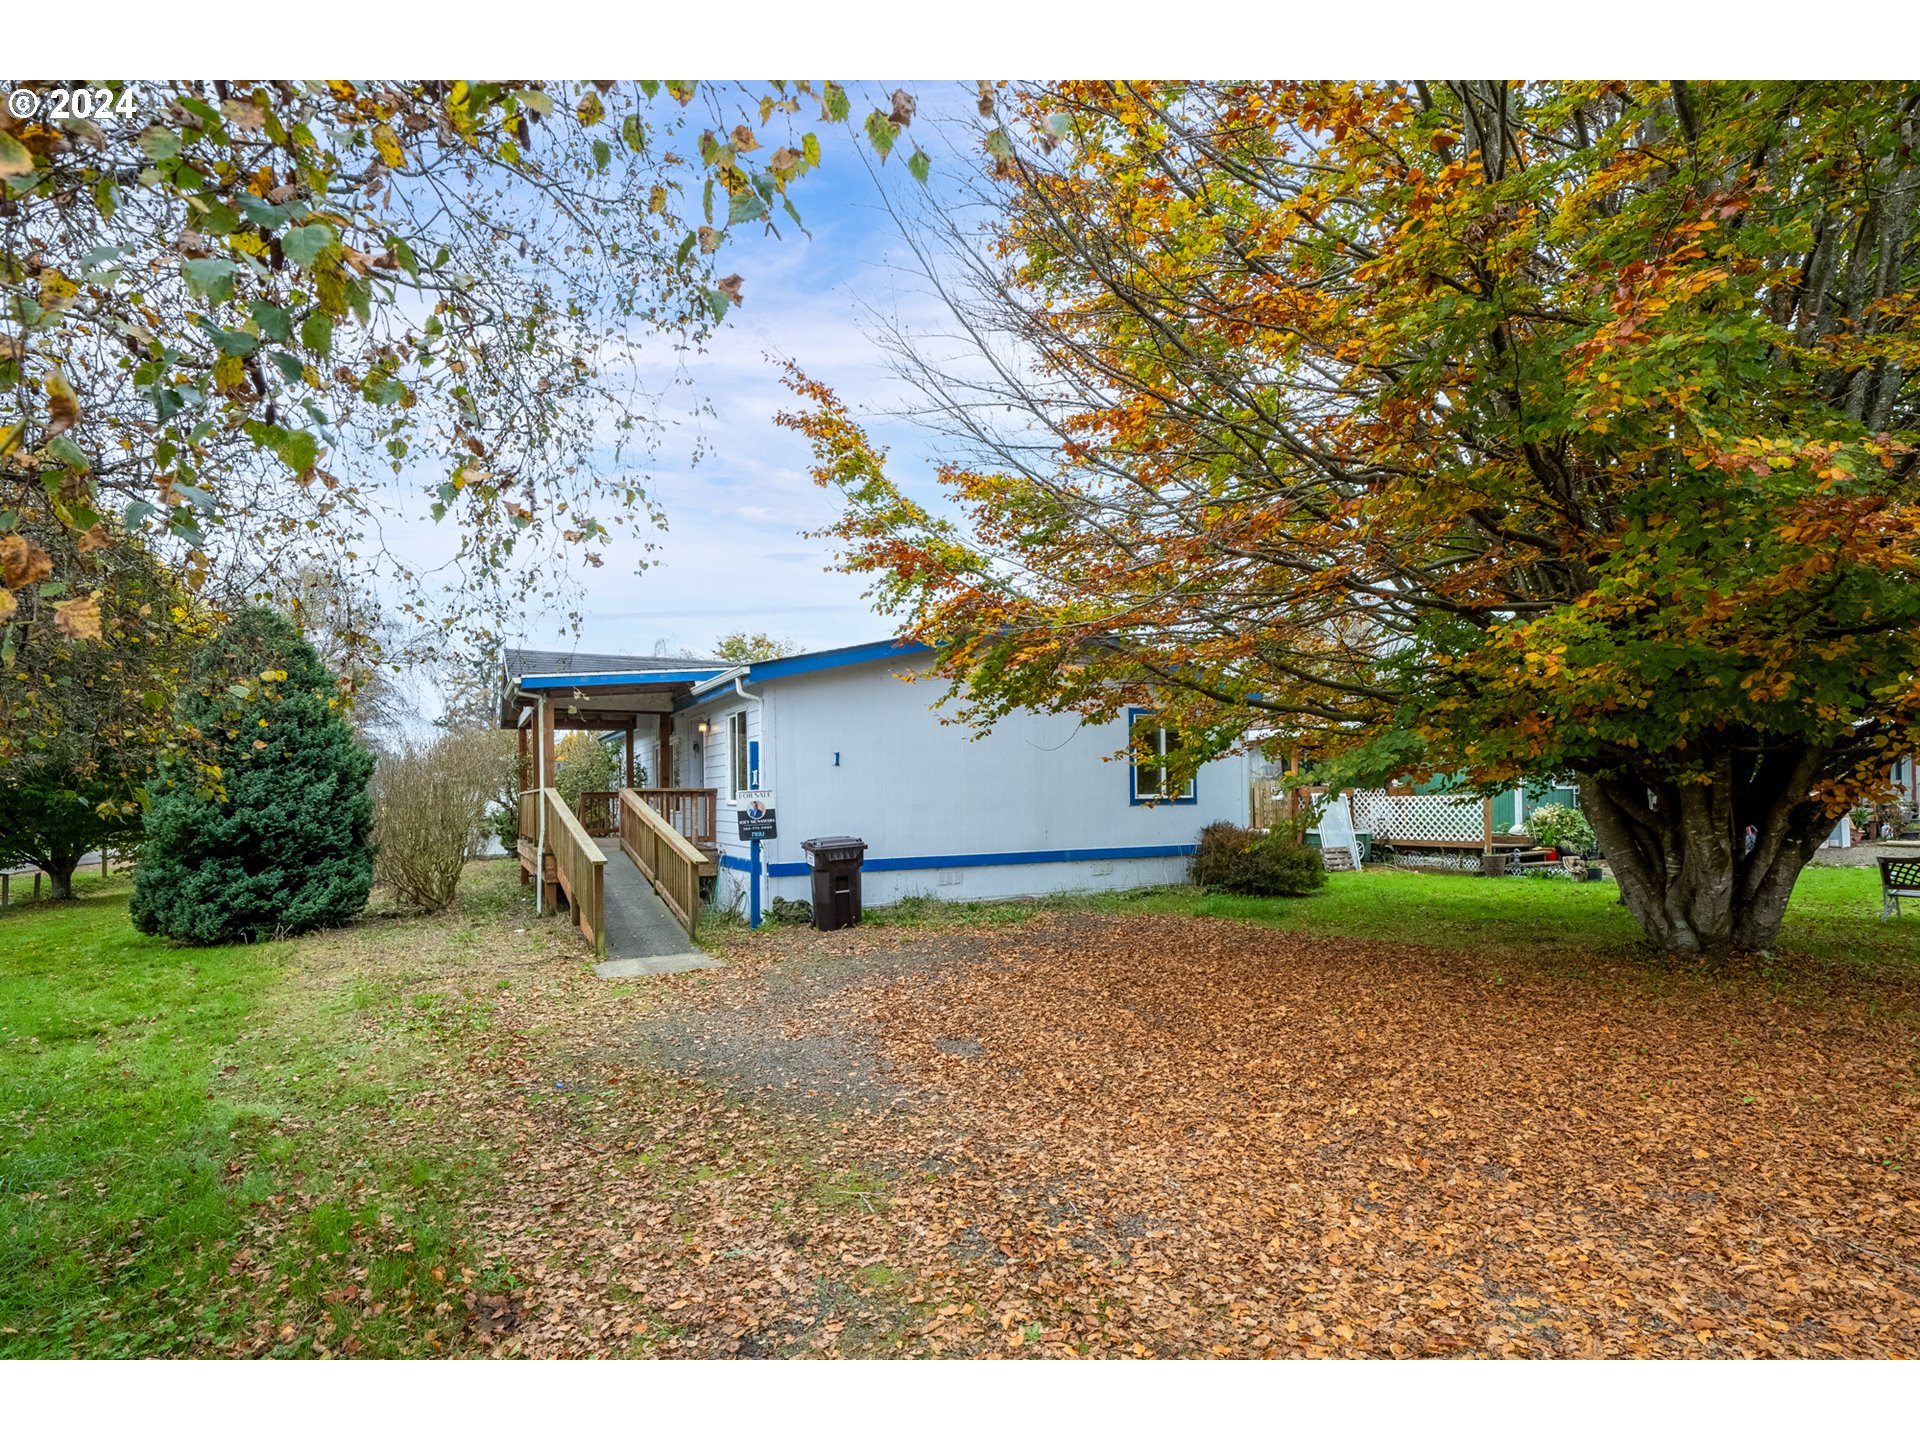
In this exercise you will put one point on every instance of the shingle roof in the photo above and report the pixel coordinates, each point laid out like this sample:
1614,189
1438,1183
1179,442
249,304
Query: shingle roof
577,662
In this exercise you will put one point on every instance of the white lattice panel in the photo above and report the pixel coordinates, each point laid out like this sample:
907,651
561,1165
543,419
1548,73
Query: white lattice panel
1419,817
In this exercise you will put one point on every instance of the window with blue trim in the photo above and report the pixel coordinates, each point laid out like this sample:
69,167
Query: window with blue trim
1149,781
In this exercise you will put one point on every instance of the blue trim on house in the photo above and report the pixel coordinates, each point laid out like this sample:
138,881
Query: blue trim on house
631,677
789,868
763,670
736,862
1192,795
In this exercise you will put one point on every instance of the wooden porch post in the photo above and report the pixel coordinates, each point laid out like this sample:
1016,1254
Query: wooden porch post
546,745
551,889
629,753
660,762
520,734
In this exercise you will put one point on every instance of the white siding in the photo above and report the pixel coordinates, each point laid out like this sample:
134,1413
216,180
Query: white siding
856,751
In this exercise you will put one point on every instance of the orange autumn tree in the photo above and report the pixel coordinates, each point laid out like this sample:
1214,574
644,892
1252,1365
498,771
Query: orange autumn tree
1486,428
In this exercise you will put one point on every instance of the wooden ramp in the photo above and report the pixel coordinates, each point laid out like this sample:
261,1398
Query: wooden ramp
635,900
642,935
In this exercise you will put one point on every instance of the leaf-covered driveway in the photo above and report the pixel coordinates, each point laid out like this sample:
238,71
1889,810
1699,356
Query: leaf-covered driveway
1168,1136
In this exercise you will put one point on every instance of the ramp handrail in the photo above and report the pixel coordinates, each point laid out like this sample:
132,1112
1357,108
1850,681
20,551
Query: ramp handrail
580,868
670,861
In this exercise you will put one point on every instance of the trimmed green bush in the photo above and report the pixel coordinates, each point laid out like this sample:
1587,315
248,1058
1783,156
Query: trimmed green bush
265,830
1245,862
1560,826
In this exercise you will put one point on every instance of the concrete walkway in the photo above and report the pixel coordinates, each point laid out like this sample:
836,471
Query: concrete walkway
643,938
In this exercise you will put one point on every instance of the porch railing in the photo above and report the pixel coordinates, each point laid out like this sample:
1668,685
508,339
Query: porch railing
599,811
689,812
666,857
1397,815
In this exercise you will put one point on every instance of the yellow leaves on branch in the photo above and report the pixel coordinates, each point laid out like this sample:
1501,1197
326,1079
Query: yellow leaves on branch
63,407
387,142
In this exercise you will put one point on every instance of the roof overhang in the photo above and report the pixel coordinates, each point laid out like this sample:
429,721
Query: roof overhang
621,680
611,699
606,700
890,649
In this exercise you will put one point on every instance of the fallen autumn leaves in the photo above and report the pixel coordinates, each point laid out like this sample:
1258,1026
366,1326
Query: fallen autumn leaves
1166,1136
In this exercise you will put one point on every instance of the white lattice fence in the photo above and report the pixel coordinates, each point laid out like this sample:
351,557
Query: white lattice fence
1454,819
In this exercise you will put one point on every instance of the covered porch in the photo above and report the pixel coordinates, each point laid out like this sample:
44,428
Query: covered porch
663,831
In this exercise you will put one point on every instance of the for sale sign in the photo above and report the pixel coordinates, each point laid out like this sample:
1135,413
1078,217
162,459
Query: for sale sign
756,815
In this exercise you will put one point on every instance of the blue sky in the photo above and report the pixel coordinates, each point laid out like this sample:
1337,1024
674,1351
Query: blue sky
733,555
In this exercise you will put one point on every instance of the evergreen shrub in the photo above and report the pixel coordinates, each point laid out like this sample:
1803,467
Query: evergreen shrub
263,829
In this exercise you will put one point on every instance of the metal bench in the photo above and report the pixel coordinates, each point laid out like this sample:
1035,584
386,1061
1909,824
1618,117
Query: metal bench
1898,879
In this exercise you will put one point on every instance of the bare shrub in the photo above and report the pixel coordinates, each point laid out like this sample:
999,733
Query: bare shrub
430,813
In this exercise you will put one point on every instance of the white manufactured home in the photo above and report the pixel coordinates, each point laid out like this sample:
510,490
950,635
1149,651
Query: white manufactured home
853,742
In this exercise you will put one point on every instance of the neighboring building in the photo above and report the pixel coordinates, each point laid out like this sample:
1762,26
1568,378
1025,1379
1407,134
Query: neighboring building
850,744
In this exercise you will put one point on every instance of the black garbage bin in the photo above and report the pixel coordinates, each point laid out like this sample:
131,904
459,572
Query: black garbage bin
836,879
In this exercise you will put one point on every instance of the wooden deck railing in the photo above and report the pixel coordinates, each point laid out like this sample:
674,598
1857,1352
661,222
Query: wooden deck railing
530,815
689,812
599,811
666,857
1400,816
580,868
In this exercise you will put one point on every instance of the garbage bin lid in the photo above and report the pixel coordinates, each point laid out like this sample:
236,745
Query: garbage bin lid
833,842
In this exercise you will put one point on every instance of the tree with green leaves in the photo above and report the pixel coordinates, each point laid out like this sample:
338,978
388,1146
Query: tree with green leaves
582,762
269,834
354,636
740,648
1447,427
227,307
85,725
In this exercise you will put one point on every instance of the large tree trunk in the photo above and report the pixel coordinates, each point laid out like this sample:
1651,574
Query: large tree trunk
60,876
1681,855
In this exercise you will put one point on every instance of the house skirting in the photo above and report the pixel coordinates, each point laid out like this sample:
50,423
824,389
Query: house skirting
988,876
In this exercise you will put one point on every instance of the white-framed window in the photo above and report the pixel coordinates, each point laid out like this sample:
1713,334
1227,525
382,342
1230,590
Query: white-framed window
739,776
1148,777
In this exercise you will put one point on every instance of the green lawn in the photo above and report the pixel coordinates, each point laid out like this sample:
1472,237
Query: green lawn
1833,924
191,1147
236,1151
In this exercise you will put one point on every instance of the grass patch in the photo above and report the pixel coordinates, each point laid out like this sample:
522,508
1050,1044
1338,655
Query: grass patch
847,1190
199,1144
1833,920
